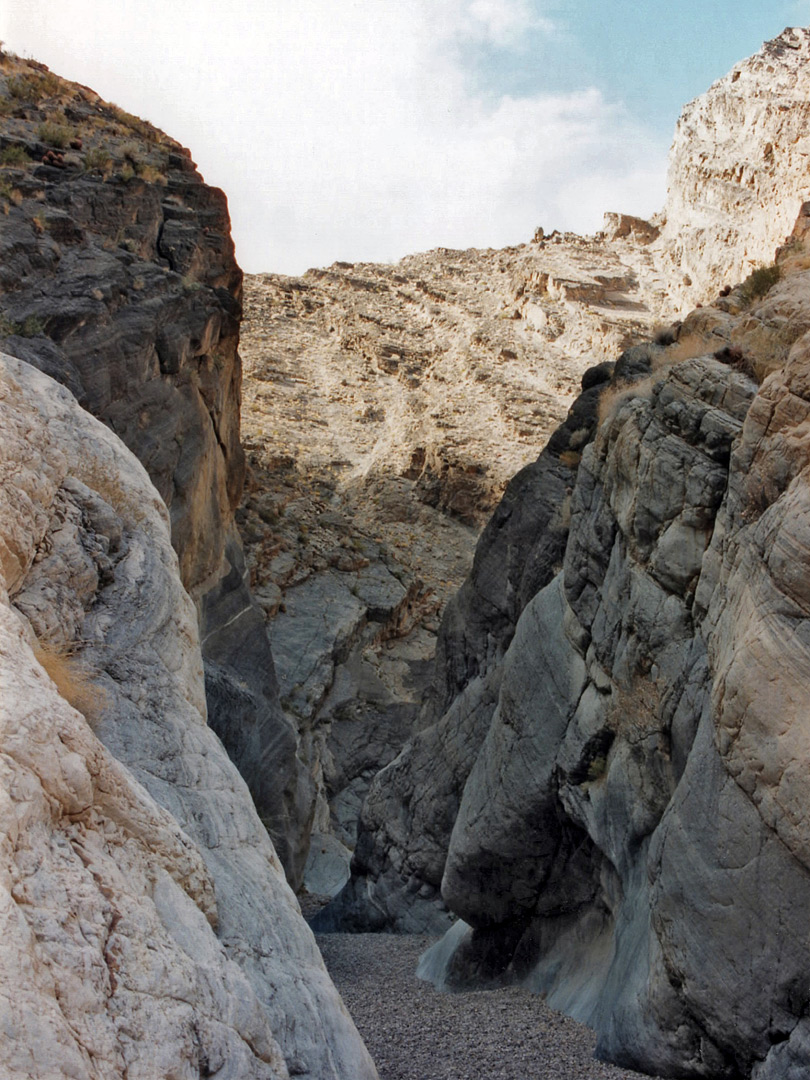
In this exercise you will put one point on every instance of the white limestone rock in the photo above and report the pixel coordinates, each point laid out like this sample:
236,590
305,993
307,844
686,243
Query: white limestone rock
147,927
738,170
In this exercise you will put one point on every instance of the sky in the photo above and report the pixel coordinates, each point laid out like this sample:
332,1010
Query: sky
365,130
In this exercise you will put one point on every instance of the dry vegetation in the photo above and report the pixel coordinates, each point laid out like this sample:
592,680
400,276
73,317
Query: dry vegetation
758,284
85,133
614,395
72,679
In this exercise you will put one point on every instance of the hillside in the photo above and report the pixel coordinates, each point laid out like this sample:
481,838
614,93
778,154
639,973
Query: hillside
385,409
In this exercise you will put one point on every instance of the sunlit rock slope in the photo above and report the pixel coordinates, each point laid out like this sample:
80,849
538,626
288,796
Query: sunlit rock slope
738,170
385,408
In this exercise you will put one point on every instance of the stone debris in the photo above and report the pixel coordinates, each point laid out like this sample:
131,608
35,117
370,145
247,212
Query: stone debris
416,1033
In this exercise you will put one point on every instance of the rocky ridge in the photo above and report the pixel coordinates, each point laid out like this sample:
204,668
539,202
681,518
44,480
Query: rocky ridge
738,171
603,694
611,759
118,278
385,408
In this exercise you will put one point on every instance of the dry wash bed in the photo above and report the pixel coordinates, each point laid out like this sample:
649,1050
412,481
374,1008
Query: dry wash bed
415,1033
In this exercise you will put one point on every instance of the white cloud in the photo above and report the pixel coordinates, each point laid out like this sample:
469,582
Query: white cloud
505,23
353,130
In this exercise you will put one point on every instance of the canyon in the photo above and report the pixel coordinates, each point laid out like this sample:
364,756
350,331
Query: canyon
254,645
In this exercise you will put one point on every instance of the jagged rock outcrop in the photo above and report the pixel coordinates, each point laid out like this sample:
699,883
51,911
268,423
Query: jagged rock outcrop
620,826
118,278
611,762
409,812
147,926
738,171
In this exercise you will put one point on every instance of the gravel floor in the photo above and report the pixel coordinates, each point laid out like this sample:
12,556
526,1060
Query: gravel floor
415,1033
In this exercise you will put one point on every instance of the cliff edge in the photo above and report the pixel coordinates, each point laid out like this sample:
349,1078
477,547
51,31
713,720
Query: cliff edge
737,171
118,279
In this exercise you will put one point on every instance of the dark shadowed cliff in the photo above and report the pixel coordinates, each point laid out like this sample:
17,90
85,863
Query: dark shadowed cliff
118,279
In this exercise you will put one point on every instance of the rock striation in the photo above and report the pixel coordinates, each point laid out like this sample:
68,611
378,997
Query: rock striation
118,278
387,408
148,927
597,789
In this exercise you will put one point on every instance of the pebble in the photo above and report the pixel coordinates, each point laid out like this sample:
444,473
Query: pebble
415,1032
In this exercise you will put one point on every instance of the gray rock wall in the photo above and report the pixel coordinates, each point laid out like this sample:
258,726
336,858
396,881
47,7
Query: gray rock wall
684,623
613,802
410,809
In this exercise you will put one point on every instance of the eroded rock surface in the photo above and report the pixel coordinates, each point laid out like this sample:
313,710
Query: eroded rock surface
118,278
148,928
604,798
737,171
386,408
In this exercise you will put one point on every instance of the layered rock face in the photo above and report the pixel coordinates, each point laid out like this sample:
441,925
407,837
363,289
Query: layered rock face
409,811
605,797
738,170
640,778
118,279
148,928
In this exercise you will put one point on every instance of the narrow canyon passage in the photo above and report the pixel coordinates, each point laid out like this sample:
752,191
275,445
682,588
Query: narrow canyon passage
413,1032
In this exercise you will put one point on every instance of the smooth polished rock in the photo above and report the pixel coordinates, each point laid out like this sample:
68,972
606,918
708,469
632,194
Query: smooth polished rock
150,930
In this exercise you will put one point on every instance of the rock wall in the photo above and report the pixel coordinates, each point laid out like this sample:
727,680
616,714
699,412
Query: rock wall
612,828
604,800
738,171
147,926
118,278
408,815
